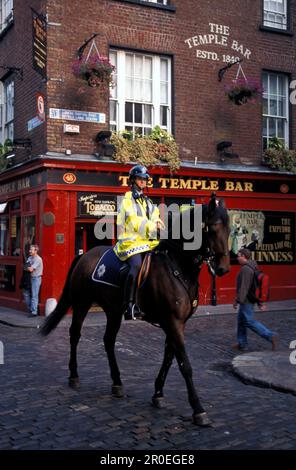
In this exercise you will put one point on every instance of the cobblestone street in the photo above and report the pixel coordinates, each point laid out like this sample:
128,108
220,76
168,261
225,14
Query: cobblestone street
40,411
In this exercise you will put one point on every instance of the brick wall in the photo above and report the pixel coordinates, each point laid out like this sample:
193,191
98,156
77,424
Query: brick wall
16,50
202,114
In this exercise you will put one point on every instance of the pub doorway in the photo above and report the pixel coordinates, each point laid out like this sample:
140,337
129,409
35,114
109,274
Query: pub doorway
85,238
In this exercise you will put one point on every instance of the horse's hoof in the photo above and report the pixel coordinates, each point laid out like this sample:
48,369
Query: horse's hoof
202,419
157,402
117,391
74,382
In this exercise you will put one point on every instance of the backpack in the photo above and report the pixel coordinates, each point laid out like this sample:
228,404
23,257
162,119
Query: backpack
259,290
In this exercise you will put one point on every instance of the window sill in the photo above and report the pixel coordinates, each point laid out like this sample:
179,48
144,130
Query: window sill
6,29
169,8
268,29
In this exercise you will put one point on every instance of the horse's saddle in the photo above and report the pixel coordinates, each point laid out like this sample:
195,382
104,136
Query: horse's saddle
110,270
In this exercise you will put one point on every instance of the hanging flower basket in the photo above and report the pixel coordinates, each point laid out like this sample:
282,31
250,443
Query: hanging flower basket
244,90
96,71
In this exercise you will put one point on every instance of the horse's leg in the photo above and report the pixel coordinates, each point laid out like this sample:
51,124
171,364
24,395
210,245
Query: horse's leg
160,380
112,328
200,417
78,317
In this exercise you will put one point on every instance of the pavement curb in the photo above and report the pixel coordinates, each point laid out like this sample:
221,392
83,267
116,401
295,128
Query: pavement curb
266,370
19,321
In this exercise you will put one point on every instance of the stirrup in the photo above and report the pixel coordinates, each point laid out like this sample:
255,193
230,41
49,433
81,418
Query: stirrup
132,312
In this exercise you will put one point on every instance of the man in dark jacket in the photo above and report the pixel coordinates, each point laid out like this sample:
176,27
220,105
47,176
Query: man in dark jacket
246,304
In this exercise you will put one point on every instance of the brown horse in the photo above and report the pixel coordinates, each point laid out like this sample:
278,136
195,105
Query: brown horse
167,297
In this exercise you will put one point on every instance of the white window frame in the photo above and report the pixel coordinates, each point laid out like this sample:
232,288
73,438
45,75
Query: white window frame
118,93
277,118
6,110
6,13
273,17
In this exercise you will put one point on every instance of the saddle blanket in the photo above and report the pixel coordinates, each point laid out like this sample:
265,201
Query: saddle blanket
107,270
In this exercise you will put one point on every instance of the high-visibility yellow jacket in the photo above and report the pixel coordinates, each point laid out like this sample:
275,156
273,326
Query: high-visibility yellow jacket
136,223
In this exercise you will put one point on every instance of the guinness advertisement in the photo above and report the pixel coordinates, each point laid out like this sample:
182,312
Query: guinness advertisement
96,205
269,235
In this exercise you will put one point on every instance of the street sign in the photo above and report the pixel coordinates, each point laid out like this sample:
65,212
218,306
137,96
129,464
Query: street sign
40,107
34,122
74,115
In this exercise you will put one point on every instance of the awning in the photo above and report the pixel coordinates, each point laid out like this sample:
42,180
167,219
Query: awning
3,207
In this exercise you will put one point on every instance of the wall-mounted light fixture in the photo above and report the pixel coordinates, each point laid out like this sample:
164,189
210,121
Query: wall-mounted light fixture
17,70
223,152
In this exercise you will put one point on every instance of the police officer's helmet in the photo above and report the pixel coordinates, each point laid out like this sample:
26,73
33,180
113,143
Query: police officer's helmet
138,171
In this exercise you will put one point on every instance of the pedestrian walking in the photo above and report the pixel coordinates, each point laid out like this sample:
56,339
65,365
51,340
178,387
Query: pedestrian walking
34,265
245,300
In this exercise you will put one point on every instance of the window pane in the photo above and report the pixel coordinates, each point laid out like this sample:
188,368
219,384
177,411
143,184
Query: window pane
128,112
272,132
265,105
163,116
4,230
138,113
138,131
29,233
264,126
15,234
281,128
273,107
9,99
163,93
147,91
138,72
138,90
147,114
129,65
113,116
148,68
129,88
164,76
282,107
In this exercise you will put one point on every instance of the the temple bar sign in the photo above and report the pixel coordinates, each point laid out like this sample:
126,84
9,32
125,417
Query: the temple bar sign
197,184
96,205
218,36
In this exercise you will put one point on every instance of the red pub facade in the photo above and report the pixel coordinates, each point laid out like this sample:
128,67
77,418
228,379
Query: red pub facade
57,188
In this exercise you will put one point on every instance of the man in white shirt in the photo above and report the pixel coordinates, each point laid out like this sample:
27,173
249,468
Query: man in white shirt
35,267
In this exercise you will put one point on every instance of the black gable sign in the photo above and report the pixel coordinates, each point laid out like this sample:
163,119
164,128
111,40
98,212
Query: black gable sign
39,43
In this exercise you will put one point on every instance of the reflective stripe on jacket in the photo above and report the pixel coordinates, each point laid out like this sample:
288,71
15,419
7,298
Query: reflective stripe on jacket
136,222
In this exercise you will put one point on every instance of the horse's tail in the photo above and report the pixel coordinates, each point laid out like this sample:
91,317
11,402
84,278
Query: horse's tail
63,304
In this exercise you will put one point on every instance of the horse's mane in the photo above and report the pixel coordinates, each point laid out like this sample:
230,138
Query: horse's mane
211,213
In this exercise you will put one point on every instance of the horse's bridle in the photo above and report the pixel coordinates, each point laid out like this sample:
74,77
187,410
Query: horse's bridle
209,256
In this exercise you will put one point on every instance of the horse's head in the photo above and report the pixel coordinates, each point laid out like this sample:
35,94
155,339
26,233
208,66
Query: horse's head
215,236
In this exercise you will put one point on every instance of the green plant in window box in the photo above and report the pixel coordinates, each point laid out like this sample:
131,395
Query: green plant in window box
4,149
158,147
278,157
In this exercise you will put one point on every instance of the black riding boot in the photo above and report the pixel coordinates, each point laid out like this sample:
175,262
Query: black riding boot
131,311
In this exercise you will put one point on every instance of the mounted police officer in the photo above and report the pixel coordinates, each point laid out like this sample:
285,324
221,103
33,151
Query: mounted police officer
139,221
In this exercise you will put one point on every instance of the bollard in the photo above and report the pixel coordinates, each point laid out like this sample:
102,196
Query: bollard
50,305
